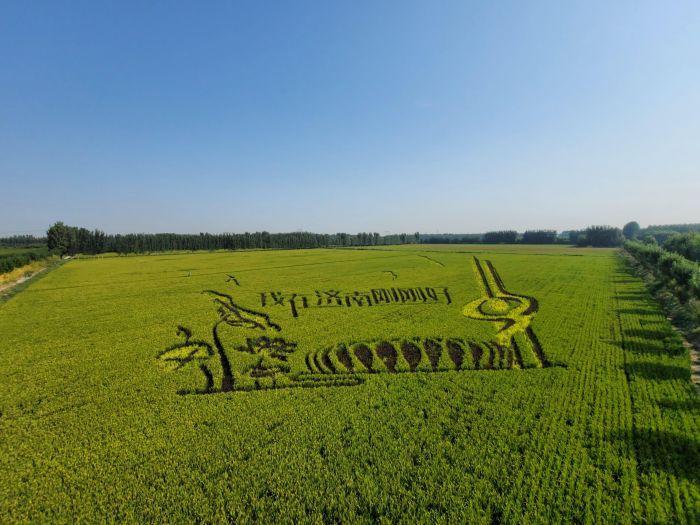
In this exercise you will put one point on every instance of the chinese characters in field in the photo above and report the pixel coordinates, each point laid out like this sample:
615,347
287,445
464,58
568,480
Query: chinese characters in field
340,299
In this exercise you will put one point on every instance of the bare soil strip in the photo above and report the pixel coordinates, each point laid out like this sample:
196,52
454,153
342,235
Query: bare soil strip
694,363
24,278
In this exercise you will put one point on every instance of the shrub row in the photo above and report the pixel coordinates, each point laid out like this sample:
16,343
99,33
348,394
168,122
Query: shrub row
677,273
685,244
14,260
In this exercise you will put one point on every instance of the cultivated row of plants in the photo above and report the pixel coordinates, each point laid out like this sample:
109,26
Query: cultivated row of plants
685,244
663,409
673,279
677,273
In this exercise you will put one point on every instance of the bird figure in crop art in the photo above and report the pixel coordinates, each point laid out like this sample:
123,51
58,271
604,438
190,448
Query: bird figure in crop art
197,351
236,315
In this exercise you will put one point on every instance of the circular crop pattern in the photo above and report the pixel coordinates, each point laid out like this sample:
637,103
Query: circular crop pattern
496,306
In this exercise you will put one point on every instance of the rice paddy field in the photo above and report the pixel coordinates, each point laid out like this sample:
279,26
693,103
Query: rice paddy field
439,384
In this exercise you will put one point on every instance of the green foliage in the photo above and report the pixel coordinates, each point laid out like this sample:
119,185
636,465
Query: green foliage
600,236
685,244
505,237
500,237
22,241
72,240
662,232
449,238
631,230
57,238
17,257
93,428
539,237
678,274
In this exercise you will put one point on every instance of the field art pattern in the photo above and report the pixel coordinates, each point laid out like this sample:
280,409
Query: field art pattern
340,365
578,409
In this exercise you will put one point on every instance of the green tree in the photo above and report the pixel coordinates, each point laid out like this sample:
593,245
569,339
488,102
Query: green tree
631,230
57,238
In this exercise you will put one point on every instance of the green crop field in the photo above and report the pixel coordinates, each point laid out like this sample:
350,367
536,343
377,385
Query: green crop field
455,384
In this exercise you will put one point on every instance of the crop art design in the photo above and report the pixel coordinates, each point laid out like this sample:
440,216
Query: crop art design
363,298
513,312
264,359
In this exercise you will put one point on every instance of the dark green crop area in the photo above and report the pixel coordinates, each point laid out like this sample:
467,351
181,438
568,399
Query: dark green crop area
434,384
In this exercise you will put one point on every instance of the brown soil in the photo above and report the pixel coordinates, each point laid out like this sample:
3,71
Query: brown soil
387,353
364,355
411,353
434,350
456,353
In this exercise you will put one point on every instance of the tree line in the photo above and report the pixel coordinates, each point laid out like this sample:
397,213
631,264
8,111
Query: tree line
663,232
601,236
493,237
597,236
500,237
449,238
22,241
70,240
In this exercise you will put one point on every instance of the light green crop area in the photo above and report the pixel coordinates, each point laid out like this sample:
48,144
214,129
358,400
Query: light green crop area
454,384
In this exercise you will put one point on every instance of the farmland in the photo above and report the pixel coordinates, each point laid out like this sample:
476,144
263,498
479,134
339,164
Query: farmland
478,384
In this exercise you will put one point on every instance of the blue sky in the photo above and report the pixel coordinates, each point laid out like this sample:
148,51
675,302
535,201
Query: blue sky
348,116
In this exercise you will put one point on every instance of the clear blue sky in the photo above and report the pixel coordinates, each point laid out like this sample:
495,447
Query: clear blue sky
348,116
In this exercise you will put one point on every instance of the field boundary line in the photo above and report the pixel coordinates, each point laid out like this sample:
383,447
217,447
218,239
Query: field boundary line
8,291
693,351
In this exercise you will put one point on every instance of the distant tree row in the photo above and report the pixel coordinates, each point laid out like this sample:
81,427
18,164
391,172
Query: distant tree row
583,237
450,238
500,237
71,240
597,236
22,241
680,238
661,233
539,237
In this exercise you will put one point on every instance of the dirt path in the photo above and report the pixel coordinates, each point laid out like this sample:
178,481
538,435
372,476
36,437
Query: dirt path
22,279
693,349
694,357
694,363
